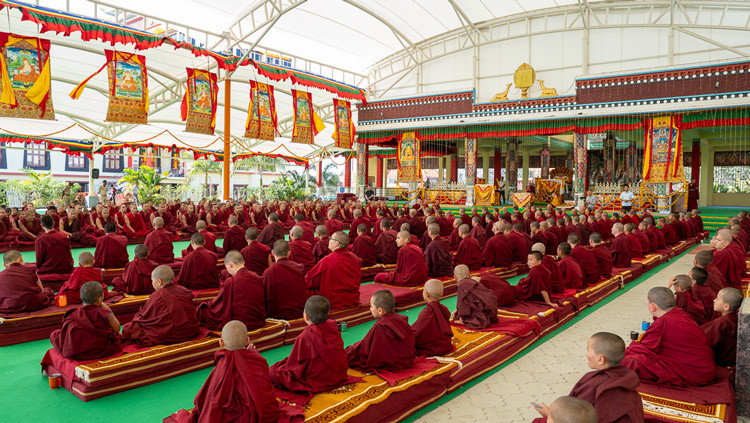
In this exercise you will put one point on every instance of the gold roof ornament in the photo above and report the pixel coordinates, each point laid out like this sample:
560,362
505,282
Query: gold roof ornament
524,78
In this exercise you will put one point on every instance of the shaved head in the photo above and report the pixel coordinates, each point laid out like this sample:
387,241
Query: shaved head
434,289
539,247
234,257
384,299
611,346
158,222
163,273
198,239
683,281
200,225
464,229
342,238
731,296
571,410
85,259
281,248
321,230
662,297
296,232
140,251
461,272
11,256
406,236
434,229
317,309
251,233
91,291
704,258
234,335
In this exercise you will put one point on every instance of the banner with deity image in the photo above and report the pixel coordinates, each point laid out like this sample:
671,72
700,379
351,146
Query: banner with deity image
343,134
307,123
128,87
261,116
663,151
25,81
198,109
408,155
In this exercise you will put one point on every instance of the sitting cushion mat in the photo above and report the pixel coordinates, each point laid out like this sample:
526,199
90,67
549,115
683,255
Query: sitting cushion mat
19,365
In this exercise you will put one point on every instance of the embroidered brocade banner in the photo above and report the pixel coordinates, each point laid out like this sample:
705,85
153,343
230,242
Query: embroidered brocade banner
663,151
409,166
198,109
261,116
307,123
25,83
343,134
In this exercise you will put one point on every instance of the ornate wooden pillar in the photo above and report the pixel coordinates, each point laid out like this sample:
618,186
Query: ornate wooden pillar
471,169
609,145
498,165
511,170
545,162
580,153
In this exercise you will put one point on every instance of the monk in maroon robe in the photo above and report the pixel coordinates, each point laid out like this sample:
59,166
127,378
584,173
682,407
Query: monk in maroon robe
300,251
199,269
389,345
570,270
208,236
731,265
168,317
438,256
234,237
284,285
686,299
476,305
320,248
134,224
497,252
504,292
159,243
85,272
136,278
585,259
20,288
477,232
30,226
111,250
620,248
272,232
432,330
557,284
674,350
411,268
52,250
536,286
90,331
238,388
337,276
469,252
318,361
386,250
240,298
722,331
602,255
358,220
257,256
332,224
364,246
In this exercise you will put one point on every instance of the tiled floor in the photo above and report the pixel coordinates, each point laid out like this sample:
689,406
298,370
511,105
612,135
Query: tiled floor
551,370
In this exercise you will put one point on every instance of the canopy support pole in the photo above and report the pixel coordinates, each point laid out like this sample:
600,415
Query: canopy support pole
227,121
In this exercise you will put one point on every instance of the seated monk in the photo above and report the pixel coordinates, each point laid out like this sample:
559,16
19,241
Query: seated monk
557,284
198,269
238,388
686,299
308,230
134,226
208,236
636,249
30,227
284,285
703,292
240,298
188,219
535,286
674,350
432,330
504,292
234,237
386,249
729,264
257,256
91,331
320,249
358,220
20,287
337,275
364,246
610,388
52,250
85,272
272,232
111,249
469,252
715,280
300,251
476,306
136,278
620,248
411,268
640,233
318,360
477,231
389,345
497,251
518,244
159,243
568,410
332,224
454,239
585,259
168,317
570,271
437,255
602,255
722,331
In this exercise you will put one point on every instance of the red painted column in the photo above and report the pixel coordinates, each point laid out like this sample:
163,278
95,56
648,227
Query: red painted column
498,165
454,168
348,174
379,177
695,165
320,174
367,163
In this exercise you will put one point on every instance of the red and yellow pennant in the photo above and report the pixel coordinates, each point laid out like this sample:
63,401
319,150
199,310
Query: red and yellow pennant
307,123
343,134
25,79
663,151
261,115
198,109
409,161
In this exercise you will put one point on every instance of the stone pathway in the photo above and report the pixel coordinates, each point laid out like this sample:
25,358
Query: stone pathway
551,369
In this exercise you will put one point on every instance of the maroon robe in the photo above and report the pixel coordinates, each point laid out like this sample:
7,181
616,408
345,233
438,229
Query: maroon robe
571,273
557,283
587,260
432,331
271,233
240,298
337,277
159,244
550,246
86,334
256,257
604,260
389,345
722,338
504,292
317,362
620,251
353,228
321,249
199,270
20,292
497,252
438,258
673,351
168,317
454,239
612,392
477,232
386,250
636,249
284,290
670,236
730,266
469,253
53,253
411,268
364,248
72,287
476,305
308,232
692,306
644,242
706,295
302,252
136,278
35,227
531,287
136,222
111,252
519,247
333,226
234,239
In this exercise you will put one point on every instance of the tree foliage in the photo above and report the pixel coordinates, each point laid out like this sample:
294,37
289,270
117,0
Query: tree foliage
148,180
38,187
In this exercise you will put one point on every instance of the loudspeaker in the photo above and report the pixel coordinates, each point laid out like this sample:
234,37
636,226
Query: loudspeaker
95,173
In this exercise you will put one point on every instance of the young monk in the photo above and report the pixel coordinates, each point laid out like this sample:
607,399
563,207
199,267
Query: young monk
722,331
389,345
570,410
536,286
168,317
386,250
557,284
111,249
504,292
585,259
85,272
432,330
411,268
469,252
91,331
20,287
497,252
570,270
364,246
437,254
318,361
284,285
686,299
300,251
199,270
610,388
52,249
703,292
240,298
476,306
272,232
136,278
257,256
603,257
234,237
338,275
159,243
620,248
238,388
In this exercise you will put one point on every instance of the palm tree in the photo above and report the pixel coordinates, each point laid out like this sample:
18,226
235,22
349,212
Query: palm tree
206,166
330,177
148,180
301,179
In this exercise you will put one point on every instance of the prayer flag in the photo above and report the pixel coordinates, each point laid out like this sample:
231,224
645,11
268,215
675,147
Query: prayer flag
198,109
408,154
663,151
307,123
261,115
344,132
25,81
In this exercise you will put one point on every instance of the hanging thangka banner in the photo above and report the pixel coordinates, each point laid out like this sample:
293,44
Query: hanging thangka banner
663,151
307,123
408,155
25,80
344,133
198,109
128,87
261,116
